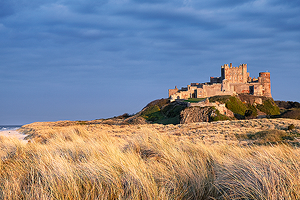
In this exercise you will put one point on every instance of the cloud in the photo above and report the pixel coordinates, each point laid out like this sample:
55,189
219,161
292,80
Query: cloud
6,8
129,45
86,6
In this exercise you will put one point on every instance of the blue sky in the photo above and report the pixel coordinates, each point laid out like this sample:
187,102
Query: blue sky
88,59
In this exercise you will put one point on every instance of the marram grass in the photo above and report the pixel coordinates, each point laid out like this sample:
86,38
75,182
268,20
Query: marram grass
75,162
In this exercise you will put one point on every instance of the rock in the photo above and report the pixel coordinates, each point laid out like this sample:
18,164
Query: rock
196,114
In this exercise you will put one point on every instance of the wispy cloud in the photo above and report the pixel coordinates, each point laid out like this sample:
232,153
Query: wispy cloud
153,44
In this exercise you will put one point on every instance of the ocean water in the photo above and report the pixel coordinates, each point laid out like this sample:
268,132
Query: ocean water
9,127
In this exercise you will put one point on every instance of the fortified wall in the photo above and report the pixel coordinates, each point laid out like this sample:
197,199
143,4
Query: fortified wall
233,80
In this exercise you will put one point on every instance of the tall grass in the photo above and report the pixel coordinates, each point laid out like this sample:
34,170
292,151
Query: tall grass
77,162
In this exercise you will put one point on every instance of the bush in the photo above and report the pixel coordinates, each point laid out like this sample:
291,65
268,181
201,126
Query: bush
292,114
172,110
152,113
248,113
269,107
221,99
291,127
236,106
163,112
253,109
218,116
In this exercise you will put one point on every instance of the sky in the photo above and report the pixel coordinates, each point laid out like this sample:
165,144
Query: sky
92,59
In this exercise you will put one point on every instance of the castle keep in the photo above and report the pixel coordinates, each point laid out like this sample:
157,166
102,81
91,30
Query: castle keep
233,80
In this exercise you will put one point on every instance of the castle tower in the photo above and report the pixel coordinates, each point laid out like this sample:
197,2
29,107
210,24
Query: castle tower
245,74
265,80
224,69
234,74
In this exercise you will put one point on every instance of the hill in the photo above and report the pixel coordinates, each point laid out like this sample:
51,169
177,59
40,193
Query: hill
240,107
289,109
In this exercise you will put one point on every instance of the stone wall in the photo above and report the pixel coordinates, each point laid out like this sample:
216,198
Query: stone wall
233,80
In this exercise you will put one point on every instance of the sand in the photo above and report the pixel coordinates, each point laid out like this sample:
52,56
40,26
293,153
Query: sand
13,133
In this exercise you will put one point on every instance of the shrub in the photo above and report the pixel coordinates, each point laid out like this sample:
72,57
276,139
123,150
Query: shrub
269,107
236,105
248,113
221,99
172,110
291,127
292,114
218,116
152,113
253,109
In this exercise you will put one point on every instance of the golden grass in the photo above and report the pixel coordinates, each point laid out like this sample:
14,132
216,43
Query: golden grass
143,162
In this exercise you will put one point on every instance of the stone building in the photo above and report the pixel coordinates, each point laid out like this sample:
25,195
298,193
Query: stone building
233,80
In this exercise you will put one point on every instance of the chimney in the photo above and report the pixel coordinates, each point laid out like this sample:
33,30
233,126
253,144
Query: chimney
230,65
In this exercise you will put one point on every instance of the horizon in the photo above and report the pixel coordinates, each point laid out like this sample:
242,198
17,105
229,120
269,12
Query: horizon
86,60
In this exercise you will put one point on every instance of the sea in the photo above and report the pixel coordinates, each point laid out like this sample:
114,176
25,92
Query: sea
9,127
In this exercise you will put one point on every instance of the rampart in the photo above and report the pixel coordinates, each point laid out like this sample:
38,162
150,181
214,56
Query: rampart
233,80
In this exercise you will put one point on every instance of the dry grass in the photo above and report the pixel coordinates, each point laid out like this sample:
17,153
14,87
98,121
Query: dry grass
146,162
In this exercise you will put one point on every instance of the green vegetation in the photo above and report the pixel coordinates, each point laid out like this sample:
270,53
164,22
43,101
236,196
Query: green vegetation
163,112
251,111
218,116
292,114
194,100
152,113
236,105
221,99
248,110
82,122
291,127
268,137
172,120
269,107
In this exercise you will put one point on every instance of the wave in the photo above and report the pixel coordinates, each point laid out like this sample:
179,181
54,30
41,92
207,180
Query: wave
9,127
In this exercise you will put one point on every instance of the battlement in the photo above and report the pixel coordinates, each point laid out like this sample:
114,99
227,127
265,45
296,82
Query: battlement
231,67
233,80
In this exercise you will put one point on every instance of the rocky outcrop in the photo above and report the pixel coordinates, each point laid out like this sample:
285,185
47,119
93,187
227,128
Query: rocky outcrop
196,114
219,106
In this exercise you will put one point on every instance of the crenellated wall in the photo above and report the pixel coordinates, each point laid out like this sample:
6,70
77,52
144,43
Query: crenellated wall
233,80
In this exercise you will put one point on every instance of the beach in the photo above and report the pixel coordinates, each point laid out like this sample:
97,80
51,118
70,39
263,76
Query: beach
13,133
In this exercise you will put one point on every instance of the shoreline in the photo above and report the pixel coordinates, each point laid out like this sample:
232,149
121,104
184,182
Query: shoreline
13,133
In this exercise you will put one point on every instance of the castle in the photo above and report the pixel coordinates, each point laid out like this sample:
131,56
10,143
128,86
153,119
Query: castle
233,80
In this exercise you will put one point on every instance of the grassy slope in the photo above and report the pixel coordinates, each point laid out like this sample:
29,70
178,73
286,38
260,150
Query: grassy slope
163,112
148,162
234,104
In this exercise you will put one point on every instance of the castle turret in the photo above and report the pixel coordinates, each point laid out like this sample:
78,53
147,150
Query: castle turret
173,91
265,80
224,68
245,74
235,74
